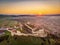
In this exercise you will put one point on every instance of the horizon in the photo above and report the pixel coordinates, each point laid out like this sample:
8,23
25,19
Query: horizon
30,14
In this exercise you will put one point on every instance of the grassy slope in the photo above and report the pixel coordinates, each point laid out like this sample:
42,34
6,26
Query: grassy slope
29,40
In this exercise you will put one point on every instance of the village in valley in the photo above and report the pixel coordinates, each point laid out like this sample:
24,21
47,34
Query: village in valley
26,29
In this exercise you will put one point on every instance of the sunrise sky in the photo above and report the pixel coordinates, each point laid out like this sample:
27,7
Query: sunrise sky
29,6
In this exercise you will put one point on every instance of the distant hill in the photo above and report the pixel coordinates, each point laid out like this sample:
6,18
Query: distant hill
2,15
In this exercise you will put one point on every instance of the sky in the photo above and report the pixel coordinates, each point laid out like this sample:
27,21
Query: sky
29,6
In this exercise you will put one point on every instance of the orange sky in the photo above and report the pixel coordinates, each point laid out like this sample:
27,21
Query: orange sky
30,7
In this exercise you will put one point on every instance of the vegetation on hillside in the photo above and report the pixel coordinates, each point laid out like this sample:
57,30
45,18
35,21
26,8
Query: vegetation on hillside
28,40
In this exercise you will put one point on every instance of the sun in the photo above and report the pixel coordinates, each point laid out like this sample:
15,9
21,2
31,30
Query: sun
39,14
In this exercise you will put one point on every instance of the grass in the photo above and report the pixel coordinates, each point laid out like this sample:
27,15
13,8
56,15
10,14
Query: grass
29,40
